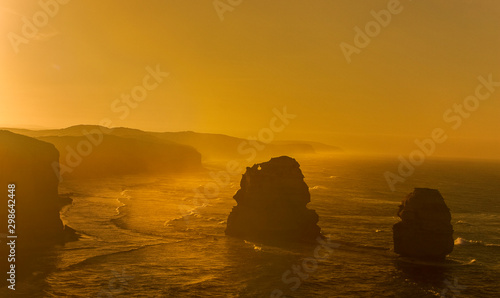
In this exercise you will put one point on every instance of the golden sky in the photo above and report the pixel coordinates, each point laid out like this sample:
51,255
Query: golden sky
226,75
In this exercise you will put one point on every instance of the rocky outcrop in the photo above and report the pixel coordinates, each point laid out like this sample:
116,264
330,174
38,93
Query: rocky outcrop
271,204
425,230
29,164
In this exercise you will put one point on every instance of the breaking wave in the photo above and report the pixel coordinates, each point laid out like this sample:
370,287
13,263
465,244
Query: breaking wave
462,241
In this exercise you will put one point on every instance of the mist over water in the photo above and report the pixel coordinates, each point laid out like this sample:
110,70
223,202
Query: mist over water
150,235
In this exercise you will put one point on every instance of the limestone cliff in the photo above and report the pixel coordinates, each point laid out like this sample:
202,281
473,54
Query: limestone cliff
28,163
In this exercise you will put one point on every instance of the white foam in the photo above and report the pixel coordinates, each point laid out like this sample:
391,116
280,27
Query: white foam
462,241
316,187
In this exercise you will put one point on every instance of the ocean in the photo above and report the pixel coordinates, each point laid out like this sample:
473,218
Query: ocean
156,236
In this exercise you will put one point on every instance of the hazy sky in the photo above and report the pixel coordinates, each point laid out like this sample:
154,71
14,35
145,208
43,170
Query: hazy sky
226,76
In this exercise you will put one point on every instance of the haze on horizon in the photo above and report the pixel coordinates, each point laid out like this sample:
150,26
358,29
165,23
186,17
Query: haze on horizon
226,76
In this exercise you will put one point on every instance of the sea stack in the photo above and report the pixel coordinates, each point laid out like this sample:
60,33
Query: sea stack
425,231
271,204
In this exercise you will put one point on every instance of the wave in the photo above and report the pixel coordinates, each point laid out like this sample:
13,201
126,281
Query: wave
461,241
125,194
188,215
255,246
373,247
193,212
98,258
449,262
316,187
94,259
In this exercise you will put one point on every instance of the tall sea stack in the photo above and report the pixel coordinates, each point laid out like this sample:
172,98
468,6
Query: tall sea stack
271,204
425,231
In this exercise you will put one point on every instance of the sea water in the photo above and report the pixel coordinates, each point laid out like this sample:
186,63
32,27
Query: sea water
159,236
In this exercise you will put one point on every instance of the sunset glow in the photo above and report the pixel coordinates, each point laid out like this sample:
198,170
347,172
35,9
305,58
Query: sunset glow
226,76
249,148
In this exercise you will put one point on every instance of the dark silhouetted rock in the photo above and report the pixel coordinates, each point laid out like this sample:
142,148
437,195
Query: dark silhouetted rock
425,230
28,163
272,204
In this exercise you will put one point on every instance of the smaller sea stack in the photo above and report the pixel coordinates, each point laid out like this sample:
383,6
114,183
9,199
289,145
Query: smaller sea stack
271,204
425,229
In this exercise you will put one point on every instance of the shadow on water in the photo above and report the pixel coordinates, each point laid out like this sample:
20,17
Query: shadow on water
437,277
450,278
32,266
423,273
281,269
